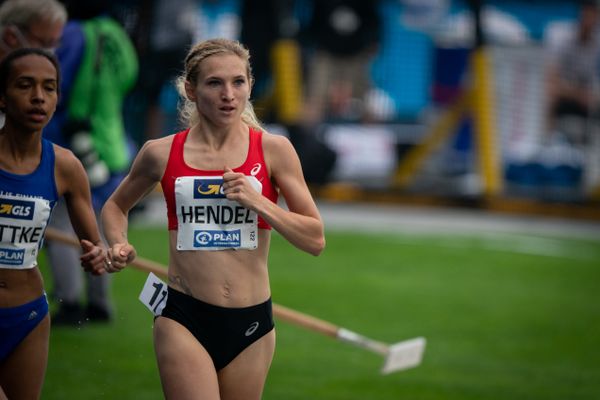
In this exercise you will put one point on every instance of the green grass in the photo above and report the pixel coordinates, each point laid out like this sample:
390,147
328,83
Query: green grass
500,324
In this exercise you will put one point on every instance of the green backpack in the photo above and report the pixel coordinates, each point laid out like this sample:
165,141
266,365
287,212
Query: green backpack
108,71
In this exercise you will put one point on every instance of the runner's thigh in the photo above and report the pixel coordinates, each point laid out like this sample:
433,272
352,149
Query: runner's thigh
244,377
22,373
184,366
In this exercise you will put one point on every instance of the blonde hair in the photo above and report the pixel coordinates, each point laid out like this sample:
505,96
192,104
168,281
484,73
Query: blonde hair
188,114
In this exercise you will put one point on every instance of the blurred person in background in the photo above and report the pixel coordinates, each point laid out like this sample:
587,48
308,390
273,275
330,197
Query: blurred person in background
31,23
34,174
574,76
215,336
343,37
339,40
102,68
271,31
261,22
169,27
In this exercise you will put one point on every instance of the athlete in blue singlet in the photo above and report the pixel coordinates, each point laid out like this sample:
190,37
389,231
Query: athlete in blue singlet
34,173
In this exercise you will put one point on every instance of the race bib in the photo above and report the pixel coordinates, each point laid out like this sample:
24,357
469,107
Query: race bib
22,224
207,220
154,294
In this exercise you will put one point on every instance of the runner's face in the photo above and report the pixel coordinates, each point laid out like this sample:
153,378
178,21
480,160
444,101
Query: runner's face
31,92
222,89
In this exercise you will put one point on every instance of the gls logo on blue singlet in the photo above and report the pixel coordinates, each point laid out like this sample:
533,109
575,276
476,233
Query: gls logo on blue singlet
17,209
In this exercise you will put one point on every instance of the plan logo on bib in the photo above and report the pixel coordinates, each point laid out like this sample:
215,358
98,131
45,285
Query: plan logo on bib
12,256
212,238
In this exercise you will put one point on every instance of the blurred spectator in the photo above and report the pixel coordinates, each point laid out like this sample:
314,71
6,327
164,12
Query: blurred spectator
42,28
161,46
259,30
344,36
103,68
164,31
270,31
574,76
340,39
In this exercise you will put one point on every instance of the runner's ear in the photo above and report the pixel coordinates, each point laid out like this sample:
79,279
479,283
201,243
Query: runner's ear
189,91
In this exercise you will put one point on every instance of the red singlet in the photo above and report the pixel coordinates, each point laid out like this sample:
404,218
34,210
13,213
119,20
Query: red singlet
254,165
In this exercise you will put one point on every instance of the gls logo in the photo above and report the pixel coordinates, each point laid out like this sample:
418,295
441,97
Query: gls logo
17,209
208,188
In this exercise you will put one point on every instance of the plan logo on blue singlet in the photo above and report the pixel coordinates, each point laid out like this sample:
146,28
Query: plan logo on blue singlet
16,209
12,256
212,238
208,188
